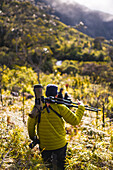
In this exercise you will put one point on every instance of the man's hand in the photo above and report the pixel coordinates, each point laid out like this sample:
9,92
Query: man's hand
80,102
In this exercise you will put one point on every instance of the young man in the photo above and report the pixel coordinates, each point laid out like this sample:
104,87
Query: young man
51,129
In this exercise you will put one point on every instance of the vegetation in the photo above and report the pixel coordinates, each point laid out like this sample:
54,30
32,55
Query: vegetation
89,148
31,43
29,35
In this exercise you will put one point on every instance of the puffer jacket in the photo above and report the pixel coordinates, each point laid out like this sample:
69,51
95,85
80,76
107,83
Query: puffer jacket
51,129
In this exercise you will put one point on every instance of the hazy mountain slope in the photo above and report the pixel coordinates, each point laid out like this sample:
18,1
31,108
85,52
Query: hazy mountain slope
98,23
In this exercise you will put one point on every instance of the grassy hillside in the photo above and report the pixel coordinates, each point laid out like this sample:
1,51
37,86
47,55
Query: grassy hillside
90,145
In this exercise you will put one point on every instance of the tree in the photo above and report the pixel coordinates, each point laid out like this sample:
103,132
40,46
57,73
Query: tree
98,43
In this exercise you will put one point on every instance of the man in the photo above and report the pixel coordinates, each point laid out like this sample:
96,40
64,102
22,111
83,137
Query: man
66,97
51,129
60,95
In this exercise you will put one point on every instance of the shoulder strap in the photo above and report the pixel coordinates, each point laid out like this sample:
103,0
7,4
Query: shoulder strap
39,116
55,111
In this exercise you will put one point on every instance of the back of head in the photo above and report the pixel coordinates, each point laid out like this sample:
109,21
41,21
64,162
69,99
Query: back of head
61,89
51,90
66,95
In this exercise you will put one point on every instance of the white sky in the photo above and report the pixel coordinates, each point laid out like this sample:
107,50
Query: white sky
101,5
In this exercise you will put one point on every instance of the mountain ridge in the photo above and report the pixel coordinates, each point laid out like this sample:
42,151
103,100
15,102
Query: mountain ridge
98,23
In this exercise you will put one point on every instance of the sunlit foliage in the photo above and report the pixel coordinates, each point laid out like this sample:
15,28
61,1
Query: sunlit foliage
89,145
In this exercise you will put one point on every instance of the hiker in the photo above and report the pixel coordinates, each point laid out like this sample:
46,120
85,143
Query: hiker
66,96
67,86
51,129
60,95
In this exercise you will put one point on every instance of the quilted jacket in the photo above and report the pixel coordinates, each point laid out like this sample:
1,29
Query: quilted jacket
51,129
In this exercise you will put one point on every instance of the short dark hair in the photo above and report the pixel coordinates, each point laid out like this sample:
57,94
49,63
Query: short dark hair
51,90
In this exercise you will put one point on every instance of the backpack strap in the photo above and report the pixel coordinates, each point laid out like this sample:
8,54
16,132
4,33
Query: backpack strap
39,116
55,111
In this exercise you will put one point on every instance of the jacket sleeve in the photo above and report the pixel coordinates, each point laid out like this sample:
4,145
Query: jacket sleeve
71,117
31,127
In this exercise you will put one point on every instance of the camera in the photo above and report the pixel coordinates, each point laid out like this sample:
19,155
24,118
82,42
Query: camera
34,143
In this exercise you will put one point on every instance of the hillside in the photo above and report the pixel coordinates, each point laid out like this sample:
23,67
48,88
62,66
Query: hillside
96,23
37,48
31,37
90,145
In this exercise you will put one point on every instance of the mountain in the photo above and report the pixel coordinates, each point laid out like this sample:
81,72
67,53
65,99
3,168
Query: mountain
94,23
29,35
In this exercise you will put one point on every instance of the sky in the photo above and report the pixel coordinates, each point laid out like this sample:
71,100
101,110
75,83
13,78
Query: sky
101,5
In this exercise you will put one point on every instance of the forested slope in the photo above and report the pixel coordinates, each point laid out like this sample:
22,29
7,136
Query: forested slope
28,34
31,37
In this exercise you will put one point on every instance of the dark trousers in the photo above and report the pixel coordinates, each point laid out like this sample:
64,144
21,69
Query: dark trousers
54,159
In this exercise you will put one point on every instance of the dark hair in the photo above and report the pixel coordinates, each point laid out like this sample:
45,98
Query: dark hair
61,89
51,90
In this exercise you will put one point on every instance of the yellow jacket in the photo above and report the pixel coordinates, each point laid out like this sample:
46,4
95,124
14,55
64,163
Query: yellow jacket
51,129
